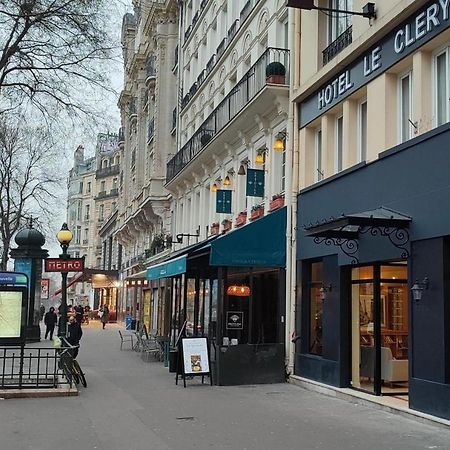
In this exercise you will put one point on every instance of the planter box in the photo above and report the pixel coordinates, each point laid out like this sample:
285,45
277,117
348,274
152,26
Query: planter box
226,227
276,204
215,230
276,79
256,213
240,219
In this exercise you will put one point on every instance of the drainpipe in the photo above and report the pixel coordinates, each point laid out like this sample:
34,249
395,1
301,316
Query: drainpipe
292,187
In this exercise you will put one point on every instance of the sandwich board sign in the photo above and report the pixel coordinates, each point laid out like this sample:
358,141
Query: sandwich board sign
194,359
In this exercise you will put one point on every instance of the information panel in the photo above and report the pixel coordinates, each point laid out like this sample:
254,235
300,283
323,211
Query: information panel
195,356
10,314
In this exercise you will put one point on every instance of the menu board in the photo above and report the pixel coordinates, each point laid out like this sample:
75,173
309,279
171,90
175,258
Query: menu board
10,314
195,356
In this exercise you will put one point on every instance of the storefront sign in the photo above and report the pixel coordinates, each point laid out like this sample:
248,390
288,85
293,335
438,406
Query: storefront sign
223,201
12,315
195,356
64,265
235,320
255,182
23,265
45,286
418,29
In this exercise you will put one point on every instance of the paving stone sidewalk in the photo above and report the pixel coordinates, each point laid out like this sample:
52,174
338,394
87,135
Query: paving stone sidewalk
133,404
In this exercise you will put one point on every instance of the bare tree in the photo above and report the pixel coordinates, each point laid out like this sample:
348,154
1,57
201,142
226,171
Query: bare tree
53,53
29,182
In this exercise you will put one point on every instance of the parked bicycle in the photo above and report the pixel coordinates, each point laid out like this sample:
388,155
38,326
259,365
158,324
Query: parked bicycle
70,366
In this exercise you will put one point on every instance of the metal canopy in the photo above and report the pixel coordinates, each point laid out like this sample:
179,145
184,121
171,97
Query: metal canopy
344,231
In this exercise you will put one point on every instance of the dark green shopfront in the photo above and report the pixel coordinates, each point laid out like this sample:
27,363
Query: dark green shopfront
231,289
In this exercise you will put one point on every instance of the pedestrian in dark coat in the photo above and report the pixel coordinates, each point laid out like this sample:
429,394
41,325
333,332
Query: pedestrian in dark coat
104,315
74,334
50,320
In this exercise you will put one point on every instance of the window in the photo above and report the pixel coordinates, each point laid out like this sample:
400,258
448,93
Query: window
362,127
77,235
87,211
102,186
79,206
441,91
319,171
405,130
283,168
339,22
88,187
316,308
101,212
80,190
339,143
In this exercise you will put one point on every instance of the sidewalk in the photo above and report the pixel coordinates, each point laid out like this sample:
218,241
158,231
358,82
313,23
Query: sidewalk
131,404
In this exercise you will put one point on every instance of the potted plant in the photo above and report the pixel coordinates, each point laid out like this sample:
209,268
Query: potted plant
276,202
257,212
205,138
241,219
275,73
226,225
215,228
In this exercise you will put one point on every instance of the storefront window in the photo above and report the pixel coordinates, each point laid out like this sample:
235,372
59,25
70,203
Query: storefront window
190,307
316,308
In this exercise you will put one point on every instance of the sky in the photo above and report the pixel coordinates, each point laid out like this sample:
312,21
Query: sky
85,133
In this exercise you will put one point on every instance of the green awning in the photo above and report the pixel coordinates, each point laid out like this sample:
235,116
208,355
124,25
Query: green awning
261,243
166,269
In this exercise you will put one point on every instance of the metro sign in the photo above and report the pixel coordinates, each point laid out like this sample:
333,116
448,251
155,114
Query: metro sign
64,265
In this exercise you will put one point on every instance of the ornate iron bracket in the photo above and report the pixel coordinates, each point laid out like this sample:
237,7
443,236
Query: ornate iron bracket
399,237
348,246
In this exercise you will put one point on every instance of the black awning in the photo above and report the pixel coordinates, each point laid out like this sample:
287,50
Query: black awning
344,231
348,226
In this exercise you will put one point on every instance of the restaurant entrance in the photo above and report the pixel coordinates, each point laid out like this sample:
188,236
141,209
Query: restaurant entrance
379,328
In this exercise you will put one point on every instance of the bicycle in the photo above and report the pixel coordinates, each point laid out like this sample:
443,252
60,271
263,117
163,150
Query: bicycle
70,366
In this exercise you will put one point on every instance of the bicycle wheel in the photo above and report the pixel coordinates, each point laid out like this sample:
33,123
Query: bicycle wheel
68,373
80,374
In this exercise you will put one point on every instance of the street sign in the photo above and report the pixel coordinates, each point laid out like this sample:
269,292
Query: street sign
64,265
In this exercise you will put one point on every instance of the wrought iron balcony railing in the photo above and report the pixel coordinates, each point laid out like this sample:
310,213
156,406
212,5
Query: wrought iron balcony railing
243,93
342,41
224,44
151,129
107,171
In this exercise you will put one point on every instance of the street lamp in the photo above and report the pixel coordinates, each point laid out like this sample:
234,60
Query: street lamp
64,237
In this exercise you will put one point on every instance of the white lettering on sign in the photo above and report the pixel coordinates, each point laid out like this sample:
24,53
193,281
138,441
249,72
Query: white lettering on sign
423,24
336,88
373,61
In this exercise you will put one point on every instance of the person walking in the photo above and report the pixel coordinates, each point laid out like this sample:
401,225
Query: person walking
104,315
74,334
50,320
41,312
79,312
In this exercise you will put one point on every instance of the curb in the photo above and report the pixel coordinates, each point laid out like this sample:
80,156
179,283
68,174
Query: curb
368,400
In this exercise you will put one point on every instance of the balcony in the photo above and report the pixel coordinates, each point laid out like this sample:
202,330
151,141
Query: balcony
103,194
107,171
233,30
224,44
151,71
150,130
221,48
248,88
174,119
343,40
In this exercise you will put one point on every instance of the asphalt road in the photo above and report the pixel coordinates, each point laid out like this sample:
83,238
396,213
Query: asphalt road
132,404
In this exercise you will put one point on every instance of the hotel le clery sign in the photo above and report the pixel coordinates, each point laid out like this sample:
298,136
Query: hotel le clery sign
418,29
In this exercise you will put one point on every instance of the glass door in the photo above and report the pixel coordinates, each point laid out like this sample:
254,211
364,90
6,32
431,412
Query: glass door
379,329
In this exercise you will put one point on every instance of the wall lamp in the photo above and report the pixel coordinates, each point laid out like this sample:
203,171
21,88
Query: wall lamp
418,287
227,179
278,145
242,167
324,289
216,185
368,10
260,156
